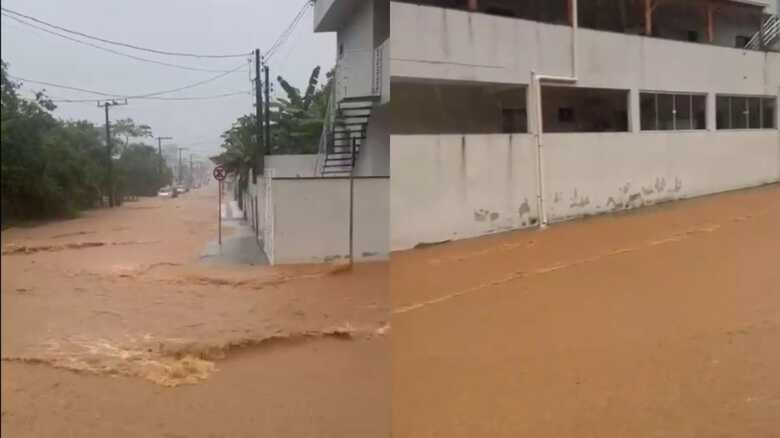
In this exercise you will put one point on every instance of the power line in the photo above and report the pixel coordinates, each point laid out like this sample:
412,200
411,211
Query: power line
286,33
205,81
138,96
106,49
119,43
186,98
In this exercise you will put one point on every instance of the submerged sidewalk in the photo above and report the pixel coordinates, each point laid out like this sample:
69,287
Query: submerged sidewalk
239,241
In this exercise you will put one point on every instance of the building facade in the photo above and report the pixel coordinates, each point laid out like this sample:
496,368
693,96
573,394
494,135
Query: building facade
510,114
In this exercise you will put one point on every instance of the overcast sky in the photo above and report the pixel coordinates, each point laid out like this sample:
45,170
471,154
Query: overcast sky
200,26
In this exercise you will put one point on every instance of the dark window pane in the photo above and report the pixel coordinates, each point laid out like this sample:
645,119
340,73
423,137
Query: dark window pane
647,111
682,103
754,112
723,110
578,109
665,112
699,112
770,112
738,112
427,108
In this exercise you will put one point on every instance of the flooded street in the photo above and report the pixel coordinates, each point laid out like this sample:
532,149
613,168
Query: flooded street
113,325
659,322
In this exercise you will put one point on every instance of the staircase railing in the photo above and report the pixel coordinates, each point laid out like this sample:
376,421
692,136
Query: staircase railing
327,126
767,35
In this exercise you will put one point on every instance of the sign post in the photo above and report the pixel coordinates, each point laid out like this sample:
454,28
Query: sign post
219,174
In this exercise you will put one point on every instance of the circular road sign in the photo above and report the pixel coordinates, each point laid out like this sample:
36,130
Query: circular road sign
220,173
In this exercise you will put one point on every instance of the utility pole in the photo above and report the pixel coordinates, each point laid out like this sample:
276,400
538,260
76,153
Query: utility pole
181,170
110,162
192,176
267,110
260,162
159,152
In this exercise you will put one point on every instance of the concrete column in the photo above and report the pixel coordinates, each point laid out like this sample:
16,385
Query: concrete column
711,112
634,123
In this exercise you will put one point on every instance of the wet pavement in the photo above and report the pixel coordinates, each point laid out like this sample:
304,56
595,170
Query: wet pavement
241,247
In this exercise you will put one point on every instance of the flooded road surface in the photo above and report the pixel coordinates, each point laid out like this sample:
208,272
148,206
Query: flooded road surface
663,322
112,325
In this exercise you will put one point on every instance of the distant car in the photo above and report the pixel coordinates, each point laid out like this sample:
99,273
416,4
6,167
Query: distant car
181,189
165,192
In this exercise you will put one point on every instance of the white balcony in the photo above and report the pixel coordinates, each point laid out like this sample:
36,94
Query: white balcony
433,43
330,14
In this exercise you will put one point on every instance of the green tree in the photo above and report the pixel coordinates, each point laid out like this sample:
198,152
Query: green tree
240,149
298,119
54,168
139,167
127,129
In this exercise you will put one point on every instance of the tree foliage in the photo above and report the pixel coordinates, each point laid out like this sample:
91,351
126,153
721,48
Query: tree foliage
296,126
54,168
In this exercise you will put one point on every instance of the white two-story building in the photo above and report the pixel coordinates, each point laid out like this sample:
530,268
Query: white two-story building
510,113
309,209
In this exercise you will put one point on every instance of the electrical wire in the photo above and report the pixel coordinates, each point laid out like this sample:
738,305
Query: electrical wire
106,49
119,43
286,33
185,98
116,95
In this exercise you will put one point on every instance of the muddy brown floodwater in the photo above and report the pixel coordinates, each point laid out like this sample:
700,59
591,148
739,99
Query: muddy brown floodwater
663,322
113,326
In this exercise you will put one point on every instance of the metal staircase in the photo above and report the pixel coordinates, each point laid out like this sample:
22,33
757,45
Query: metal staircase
344,133
767,35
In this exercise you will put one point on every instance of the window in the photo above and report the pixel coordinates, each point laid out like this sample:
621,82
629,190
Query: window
578,109
693,36
740,41
513,120
420,108
666,112
768,112
566,115
746,112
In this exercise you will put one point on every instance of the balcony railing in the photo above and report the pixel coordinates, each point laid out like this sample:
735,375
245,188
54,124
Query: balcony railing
379,72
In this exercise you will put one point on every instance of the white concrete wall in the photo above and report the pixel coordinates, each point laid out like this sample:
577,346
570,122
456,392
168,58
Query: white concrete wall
447,187
311,219
300,166
355,63
594,173
444,186
438,43
374,157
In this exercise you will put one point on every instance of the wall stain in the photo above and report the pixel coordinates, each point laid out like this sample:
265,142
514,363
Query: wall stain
660,184
557,197
524,209
493,216
647,191
635,200
463,155
677,185
481,215
614,205
578,201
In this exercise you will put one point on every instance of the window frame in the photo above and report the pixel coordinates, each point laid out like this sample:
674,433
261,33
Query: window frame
674,95
746,114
